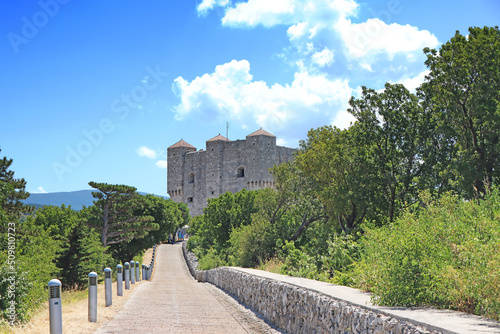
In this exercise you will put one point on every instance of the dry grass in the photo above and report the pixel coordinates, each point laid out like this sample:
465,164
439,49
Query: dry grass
273,265
75,310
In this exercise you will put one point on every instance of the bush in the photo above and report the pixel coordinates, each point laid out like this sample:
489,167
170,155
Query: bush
446,255
342,254
211,260
298,263
27,276
253,244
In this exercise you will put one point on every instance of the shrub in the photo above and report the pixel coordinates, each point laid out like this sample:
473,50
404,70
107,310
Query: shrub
211,260
298,263
446,255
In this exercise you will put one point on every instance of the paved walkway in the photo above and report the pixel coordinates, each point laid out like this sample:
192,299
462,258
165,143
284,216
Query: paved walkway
174,302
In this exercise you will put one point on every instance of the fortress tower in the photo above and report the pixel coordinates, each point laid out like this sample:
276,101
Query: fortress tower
195,176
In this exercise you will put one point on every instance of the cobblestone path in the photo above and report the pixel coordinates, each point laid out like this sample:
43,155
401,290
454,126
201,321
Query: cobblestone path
174,302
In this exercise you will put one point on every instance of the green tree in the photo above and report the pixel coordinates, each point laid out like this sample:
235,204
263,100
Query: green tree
15,269
77,247
83,253
13,191
296,195
343,175
396,133
113,214
463,88
166,213
224,213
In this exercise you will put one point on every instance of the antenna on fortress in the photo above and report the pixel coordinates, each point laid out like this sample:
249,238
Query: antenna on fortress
227,130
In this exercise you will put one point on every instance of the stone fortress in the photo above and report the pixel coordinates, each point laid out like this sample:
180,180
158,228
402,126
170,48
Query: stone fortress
195,176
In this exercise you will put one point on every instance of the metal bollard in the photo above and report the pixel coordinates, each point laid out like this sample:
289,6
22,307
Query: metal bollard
132,272
55,307
119,280
127,276
93,297
144,272
137,276
108,289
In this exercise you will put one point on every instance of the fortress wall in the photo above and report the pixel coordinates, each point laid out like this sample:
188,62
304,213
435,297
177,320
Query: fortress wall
213,171
194,162
216,168
234,157
285,154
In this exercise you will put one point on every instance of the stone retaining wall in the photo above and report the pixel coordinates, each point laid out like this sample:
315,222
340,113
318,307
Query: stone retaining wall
295,309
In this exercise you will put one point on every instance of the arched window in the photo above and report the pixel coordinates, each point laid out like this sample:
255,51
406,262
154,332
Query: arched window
240,172
191,178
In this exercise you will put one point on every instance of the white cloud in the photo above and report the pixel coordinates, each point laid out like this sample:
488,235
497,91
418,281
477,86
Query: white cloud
40,190
144,151
372,45
263,12
277,12
366,66
413,83
323,58
206,5
343,119
297,30
162,164
326,47
230,93
281,142
375,36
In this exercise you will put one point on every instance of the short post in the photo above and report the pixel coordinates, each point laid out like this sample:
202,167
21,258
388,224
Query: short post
93,297
144,271
108,289
127,276
132,272
55,307
119,280
137,278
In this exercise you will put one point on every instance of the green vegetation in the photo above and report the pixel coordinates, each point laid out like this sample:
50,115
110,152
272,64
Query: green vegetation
59,242
446,255
404,203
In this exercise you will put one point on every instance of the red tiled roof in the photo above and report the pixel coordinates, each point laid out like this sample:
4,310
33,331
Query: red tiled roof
261,132
182,143
218,137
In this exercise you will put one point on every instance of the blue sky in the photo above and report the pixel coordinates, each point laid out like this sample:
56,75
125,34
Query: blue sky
97,90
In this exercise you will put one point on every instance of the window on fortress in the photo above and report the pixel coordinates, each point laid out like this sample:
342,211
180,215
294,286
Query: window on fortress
190,199
240,172
191,178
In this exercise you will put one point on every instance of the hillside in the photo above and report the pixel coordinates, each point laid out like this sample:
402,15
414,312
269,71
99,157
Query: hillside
76,199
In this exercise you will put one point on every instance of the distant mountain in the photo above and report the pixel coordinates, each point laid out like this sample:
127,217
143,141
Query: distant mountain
74,198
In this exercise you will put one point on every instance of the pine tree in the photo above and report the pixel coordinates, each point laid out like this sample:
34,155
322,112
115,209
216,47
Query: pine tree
113,214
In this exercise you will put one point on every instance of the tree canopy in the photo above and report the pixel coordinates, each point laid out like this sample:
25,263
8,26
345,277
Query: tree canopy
463,89
113,214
